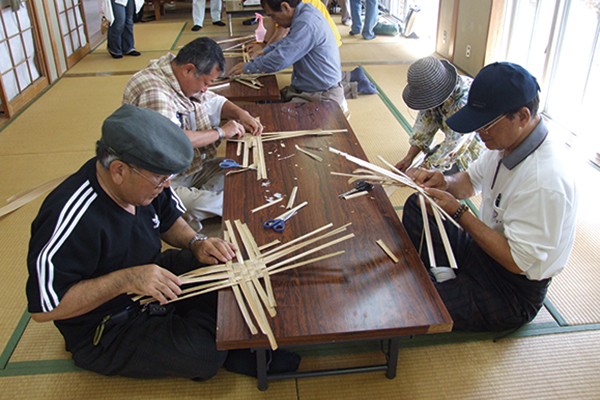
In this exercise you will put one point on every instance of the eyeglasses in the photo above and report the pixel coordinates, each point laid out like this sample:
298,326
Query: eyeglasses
158,184
486,128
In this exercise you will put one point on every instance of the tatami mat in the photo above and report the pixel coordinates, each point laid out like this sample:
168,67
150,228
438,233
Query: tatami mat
68,117
509,369
576,291
90,386
56,134
151,36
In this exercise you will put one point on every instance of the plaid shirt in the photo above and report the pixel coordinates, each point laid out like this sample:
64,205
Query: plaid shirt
157,88
451,150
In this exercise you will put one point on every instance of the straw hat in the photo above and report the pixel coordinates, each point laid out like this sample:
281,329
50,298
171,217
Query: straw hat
430,83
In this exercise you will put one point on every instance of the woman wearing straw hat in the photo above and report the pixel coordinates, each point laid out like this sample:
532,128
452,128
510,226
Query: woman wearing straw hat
437,91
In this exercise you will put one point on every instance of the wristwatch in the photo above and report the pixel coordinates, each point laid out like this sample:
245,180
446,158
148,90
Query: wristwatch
198,236
220,131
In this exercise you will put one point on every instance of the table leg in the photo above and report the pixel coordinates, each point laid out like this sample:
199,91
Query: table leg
261,368
229,23
392,364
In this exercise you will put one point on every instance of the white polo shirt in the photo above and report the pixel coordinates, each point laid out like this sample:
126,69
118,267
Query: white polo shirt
530,198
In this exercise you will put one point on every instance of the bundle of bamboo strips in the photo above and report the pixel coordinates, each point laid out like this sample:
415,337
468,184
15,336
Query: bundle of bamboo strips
394,177
244,276
249,142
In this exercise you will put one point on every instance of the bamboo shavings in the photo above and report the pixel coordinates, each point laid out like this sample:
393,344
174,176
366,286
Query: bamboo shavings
250,278
316,157
387,250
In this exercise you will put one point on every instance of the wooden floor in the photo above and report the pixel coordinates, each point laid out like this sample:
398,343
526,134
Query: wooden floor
557,356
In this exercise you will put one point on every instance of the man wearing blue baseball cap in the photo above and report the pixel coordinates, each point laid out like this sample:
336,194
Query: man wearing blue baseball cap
525,231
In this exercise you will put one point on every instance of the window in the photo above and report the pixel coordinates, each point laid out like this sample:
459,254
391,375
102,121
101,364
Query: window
72,28
20,62
557,41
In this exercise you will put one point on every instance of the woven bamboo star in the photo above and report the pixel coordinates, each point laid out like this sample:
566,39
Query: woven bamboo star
250,278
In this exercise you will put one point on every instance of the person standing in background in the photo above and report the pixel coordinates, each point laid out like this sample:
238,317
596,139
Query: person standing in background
371,13
119,38
198,13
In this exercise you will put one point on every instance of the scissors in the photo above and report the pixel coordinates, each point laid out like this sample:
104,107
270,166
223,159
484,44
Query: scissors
229,163
360,187
278,224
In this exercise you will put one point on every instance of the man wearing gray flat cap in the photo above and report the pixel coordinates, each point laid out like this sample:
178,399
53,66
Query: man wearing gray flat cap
437,91
524,233
97,241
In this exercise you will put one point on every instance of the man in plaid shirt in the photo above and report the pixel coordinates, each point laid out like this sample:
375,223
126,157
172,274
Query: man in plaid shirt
177,87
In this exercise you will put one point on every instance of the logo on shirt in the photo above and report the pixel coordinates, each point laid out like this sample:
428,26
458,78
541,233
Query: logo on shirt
155,221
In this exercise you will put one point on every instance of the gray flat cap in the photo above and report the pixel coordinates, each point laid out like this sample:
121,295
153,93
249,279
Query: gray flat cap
147,139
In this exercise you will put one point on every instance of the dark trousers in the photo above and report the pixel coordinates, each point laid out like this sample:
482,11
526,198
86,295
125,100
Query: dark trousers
484,296
180,343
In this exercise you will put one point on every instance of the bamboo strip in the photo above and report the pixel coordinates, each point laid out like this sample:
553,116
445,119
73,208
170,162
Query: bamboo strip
267,205
316,157
387,250
288,244
427,232
259,313
312,260
236,39
291,211
290,203
261,156
445,240
353,195
266,246
206,270
323,246
20,199
258,259
249,84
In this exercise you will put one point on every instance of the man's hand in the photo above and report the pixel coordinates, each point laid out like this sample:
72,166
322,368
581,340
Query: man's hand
237,69
255,49
403,164
152,280
213,251
443,199
251,124
233,129
428,178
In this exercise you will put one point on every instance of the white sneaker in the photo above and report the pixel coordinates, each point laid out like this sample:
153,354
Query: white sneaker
443,274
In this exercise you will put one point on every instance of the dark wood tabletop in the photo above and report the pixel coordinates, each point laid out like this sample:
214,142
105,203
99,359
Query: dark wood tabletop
361,294
238,92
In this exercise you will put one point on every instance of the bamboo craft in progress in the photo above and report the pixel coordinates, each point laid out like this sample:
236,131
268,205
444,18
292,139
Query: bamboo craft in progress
250,278
255,143
378,175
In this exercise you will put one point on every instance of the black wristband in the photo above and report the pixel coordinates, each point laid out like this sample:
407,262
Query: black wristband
461,210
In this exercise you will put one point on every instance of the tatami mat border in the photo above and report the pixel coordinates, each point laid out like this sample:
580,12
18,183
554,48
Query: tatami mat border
390,105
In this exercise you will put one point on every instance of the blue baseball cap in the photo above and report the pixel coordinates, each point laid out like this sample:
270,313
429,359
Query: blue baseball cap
497,88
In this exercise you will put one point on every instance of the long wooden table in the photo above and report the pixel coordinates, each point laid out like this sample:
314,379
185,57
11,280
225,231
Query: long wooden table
359,295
